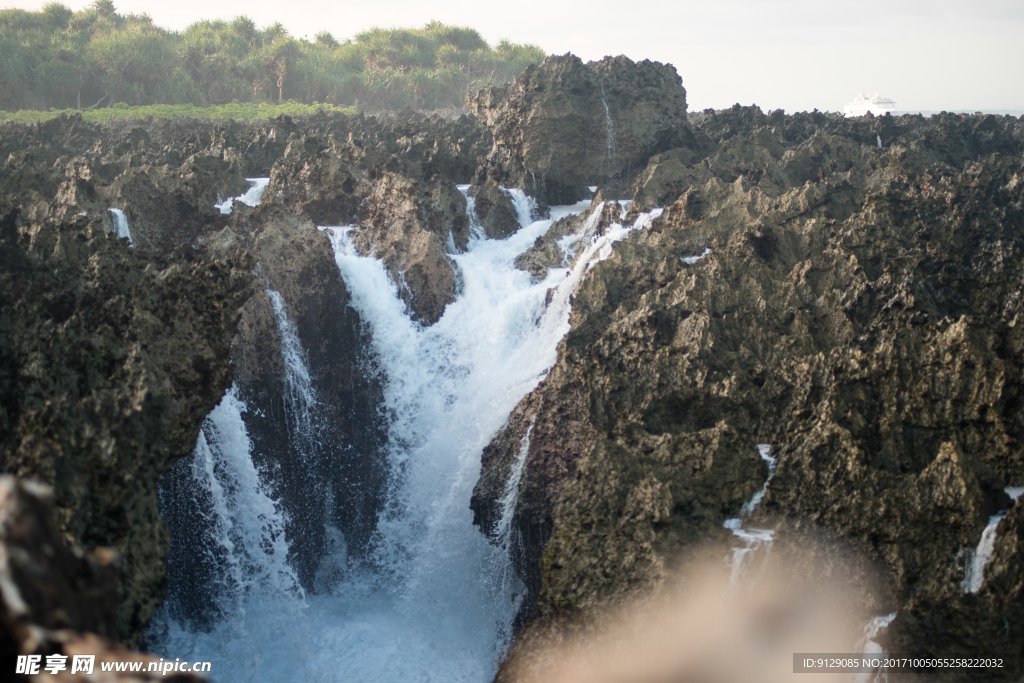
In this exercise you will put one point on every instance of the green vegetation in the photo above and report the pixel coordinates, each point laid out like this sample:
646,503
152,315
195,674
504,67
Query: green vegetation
240,111
92,59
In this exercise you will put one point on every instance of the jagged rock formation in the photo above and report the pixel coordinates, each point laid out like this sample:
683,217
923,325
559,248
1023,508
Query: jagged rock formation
412,226
563,124
111,359
297,261
494,210
546,253
858,310
166,175
845,290
101,361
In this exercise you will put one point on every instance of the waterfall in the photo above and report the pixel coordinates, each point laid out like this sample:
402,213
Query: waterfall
432,598
975,575
524,204
624,206
610,152
243,548
567,243
753,539
503,530
251,197
247,522
505,534
121,223
764,450
299,395
305,479
476,231
435,582
246,541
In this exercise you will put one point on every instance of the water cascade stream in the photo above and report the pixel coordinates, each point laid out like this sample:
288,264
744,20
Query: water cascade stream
753,539
251,197
299,395
975,575
121,223
433,599
610,151
243,548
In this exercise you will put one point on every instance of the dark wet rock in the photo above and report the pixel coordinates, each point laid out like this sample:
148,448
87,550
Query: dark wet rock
341,460
857,310
564,125
315,183
412,227
111,359
494,210
666,177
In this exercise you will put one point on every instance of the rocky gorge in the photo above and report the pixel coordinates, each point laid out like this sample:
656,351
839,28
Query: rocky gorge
845,291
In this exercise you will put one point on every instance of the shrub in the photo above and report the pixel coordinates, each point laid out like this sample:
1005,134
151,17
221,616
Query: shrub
96,57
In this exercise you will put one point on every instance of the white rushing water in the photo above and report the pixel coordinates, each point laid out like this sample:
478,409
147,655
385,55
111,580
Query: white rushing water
503,532
121,223
435,598
251,197
258,590
753,539
975,575
524,204
299,395
868,646
610,152
690,260
256,587
475,229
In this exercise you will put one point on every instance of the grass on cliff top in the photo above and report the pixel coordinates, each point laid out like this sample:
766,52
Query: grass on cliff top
239,111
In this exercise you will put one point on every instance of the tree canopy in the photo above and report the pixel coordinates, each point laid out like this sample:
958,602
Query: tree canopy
58,58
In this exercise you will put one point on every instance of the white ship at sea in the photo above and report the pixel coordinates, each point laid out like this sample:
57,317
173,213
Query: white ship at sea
876,104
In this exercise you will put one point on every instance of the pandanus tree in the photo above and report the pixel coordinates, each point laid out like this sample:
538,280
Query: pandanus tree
280,58
135,63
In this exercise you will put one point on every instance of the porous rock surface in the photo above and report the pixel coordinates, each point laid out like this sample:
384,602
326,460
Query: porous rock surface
111,359
563,125
494,210
115,354
844,290
858,310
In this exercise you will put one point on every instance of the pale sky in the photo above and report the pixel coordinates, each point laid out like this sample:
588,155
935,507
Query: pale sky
790,54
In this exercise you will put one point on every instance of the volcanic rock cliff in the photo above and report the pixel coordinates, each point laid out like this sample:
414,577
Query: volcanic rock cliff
114,355
844,290
563,124
111,359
